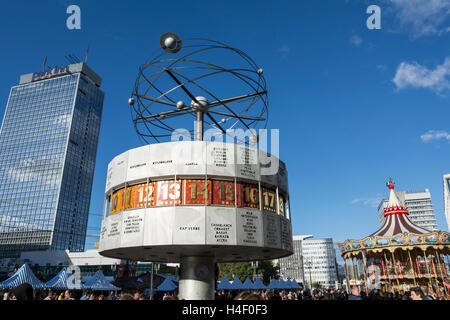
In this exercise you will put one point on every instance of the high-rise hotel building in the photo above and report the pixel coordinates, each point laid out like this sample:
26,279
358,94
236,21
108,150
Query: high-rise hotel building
446,179
419,206
48,147
313,261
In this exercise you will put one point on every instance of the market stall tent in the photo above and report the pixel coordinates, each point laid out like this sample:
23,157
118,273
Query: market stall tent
58,282
224,284
167,286
259,285
248,284
274,284
237,284
23,275
99,282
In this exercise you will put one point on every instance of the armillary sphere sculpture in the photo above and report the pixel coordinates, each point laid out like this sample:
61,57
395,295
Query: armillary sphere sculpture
184,80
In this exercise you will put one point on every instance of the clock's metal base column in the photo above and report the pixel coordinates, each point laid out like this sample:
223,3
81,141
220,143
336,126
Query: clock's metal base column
197,279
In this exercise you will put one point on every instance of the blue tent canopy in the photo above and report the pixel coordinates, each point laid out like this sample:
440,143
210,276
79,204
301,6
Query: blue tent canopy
99,282
167,285
285,284
23,275
224,284
59,282
274,284
248,284
295,285
171,277
259,285
237,284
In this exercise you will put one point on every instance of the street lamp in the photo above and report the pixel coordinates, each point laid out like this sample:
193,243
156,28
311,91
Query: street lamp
255,266
309,264
152,271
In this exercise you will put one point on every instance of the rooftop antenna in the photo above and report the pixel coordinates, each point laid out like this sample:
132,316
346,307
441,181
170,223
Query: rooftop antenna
87,54
45,62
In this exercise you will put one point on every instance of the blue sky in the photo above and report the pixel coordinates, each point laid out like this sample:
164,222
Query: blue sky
346,125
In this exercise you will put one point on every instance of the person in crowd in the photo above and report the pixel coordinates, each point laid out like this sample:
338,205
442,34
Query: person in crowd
326,296
247,295
275,296
363,295
51,295
417,293
6,295
289,296
355,295
406,296
68,295
126,297
23,292
142,297
220,296
85,296
111,296
307,295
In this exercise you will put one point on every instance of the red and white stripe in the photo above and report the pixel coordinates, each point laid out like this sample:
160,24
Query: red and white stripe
396,220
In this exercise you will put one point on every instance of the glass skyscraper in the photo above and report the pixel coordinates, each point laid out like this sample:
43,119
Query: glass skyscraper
48,147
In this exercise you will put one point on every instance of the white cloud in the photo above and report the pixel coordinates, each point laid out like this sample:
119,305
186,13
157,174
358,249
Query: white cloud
356,40
414,75
14,223
31,170
421,17
63,120
382,67
284,50
435,135
373,202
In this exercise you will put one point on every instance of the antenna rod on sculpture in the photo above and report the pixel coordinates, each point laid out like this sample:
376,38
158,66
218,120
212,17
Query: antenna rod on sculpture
199,126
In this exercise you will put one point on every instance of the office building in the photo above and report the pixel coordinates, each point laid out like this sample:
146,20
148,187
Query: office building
419,206
48,147
319,259
313,261
292,267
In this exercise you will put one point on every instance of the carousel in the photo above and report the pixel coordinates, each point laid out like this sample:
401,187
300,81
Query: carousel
400,255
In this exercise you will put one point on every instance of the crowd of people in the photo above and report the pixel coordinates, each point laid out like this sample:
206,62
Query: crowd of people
415,293
26,292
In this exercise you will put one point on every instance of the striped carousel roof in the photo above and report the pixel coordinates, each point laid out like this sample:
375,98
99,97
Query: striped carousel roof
396,218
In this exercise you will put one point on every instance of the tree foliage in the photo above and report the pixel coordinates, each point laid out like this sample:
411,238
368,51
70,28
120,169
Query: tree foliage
243,270
317,285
